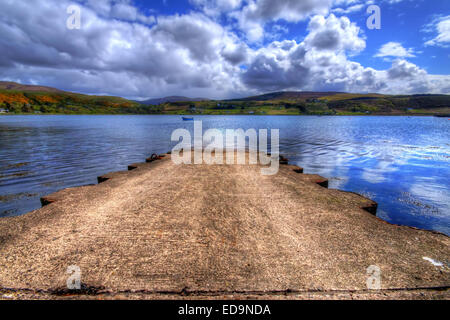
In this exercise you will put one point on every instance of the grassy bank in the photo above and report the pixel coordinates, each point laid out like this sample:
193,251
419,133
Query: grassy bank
43,100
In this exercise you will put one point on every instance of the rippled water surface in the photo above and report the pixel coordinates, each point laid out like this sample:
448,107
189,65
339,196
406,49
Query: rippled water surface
400,162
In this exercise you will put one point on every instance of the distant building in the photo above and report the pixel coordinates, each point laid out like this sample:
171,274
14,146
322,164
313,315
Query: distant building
3,111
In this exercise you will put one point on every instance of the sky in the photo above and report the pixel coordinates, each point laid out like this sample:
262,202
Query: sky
226,48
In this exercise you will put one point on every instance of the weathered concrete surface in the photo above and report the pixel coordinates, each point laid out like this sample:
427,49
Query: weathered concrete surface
200,231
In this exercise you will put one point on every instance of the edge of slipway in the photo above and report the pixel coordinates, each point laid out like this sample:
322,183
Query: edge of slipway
92,292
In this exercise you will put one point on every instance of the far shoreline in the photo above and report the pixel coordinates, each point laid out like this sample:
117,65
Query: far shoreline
228,115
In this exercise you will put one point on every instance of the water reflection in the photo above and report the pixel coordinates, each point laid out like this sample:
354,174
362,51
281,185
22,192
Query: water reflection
400,162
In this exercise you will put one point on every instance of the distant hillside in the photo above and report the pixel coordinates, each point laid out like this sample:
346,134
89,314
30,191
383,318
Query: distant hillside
160,101
18,98
288,95
4,85
317,103
25,99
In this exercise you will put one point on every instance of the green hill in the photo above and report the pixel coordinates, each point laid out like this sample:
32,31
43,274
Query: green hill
318,103
17,98
24,99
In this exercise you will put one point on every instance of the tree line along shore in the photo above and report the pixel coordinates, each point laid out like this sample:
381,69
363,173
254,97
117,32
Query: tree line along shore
16,99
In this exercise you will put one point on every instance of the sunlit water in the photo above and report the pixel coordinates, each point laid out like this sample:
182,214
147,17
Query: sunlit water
400,162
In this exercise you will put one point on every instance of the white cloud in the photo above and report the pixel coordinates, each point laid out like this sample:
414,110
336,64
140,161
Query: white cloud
317,63
118,9
288,10
115,53
335,34
402,69
351,9
321,63
256,13
216,7
406,77
442,26
188,54
394,49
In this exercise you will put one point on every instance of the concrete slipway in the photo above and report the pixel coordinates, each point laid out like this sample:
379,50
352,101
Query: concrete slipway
164,231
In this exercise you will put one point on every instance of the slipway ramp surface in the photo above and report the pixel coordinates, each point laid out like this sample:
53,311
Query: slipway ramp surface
215,231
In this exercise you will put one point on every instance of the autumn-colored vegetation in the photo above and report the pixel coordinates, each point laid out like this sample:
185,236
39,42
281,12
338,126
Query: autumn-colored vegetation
67,103
45,100
13,97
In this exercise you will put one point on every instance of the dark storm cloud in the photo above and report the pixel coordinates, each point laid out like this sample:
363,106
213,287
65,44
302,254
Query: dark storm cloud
265,73
328,39
120,51
291,10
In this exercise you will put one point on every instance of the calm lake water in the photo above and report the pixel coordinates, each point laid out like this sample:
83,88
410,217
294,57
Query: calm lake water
400,162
